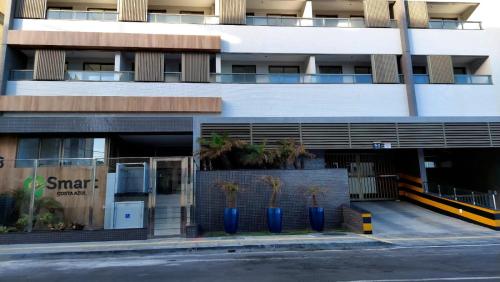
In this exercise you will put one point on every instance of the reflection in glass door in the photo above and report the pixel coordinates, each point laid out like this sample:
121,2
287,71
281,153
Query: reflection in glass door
172,189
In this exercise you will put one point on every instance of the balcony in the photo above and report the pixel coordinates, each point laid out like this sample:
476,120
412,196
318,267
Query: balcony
459,79
98,76
182,19
452,24
314,22
82,15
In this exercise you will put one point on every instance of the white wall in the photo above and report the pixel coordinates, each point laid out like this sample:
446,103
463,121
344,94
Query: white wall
248,100
249,39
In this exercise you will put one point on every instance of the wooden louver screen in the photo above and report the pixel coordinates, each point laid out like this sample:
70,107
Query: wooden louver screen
440,69
233,11
31,9
377,13
418,14
133,10
149,66
385,69
49,65
195,67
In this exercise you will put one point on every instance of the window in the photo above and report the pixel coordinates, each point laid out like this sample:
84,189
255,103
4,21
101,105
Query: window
330,69
27,149
100,10
326,16
284,69
192,13
419,70
59,151
50,151
283,15
60,8
459,70
362,70
98,67
244,69
251,14
157,11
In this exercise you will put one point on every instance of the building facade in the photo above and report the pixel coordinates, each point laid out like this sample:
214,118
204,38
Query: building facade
96,89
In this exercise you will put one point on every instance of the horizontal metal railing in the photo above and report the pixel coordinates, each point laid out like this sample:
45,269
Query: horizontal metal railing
482,199
182,19
453,24
459,79
242,78
314,22
82,15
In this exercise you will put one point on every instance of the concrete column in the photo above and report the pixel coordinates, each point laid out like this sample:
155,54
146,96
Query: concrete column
423,170
307,13
311,65
217,8
406,59
119,61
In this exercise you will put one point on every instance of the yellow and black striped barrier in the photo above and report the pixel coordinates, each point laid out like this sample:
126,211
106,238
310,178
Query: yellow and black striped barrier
411,189
356,219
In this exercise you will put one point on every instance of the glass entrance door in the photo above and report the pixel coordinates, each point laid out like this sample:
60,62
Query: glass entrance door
172,194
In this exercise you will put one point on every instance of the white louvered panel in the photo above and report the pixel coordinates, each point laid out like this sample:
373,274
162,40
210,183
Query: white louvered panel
421,135
239,131
467,135
418,14
233,11
377,13
440,69
495,133
273,133
49,65
149,66
133,10
325,136
385,69
195,67
364,135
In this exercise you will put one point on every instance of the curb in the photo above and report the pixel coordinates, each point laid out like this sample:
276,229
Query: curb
229,249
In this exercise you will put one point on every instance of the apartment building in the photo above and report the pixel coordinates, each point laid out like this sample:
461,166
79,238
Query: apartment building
379,87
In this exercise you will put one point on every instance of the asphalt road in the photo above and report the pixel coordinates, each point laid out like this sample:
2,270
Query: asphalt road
411,263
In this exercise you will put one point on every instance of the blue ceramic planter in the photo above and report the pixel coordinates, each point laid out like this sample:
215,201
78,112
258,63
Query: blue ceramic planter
317,218
274,220
231,220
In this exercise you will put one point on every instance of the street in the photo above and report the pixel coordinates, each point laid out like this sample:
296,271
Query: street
473,262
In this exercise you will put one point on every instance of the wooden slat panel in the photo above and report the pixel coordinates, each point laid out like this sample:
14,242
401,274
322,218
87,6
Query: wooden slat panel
110,104
418,15
106,41
133,10
49,65
440,69
233,11
377,13
195,67
385,69
149,66
31,9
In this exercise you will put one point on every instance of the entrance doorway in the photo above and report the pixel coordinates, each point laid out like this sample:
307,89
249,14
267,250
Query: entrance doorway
172,195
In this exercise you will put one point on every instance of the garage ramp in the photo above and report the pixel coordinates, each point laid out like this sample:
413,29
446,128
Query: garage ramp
404,219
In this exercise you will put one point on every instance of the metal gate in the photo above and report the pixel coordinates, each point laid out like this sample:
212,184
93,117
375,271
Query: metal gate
372,176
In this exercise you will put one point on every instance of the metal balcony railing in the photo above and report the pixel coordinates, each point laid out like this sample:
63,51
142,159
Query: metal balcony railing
82,15
269,78
314,22
182,19
459,79
482,199
452,24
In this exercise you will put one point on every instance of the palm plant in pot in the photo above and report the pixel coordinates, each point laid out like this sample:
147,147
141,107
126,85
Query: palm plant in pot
231,213
316,213
274,213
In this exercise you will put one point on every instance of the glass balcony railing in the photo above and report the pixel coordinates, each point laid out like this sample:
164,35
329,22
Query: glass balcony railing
172,77
459,79
244,78
19,75
315,22
82,15
451,24
182,19
122,76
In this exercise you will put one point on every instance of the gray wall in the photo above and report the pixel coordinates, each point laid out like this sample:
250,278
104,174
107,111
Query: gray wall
254,196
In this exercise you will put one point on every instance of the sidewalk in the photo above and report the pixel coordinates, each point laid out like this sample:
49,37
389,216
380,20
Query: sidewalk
169,245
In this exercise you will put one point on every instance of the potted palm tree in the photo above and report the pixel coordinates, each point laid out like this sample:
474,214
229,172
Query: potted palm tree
231,213
289,153
316,213
274,213
216,148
